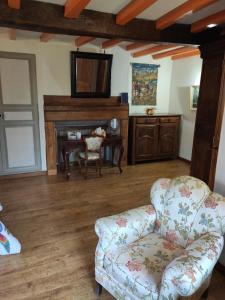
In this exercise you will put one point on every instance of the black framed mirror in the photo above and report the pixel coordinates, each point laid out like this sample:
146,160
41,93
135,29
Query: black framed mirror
90,75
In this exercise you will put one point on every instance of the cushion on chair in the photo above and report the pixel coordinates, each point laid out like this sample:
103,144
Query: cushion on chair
139,266
91,155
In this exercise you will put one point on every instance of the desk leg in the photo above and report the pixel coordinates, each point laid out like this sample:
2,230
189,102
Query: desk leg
66,156
120,158
113,153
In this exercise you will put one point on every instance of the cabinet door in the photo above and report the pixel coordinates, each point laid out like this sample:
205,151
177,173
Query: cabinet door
146,141
168,139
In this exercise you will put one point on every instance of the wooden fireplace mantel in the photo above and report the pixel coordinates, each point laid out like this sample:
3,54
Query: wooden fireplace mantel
65,108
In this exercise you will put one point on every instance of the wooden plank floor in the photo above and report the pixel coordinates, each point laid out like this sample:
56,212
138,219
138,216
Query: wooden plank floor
54,220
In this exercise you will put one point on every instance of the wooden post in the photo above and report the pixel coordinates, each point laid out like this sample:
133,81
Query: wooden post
210,112
51,147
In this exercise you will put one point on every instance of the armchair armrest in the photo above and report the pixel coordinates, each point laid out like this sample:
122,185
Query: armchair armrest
185,274
124,228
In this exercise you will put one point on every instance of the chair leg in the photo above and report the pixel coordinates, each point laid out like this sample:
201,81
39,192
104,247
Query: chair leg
96,166
100,167
98,289
206,294
80,167
86,168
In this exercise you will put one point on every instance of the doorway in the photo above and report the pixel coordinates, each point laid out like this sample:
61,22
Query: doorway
19,125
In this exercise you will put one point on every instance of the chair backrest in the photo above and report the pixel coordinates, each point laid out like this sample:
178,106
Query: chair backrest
186,209
93,143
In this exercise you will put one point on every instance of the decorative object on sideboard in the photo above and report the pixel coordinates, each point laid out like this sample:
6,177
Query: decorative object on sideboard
124,98
194,93
150,111
144,84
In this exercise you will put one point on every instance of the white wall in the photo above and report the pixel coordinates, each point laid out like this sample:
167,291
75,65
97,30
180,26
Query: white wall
185,72
122,79
53,73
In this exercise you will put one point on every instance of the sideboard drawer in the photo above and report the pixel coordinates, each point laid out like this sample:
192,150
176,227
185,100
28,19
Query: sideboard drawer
169,119
148,120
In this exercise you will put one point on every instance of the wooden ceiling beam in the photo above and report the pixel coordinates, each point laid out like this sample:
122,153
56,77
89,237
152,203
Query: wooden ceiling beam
134,46
93,23
111,43
151,50
172,52
203,5
83,40
195,52
217,18
172,16
132,9
45,37
12,34
14,4
73,8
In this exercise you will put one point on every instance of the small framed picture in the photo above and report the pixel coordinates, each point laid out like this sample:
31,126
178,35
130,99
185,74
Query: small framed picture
194,93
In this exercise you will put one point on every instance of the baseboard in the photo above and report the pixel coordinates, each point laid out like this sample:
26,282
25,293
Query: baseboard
23,175
220,268
184,159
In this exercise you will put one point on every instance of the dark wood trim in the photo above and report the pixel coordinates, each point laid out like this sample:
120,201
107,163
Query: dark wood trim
23,175
95,24
220,268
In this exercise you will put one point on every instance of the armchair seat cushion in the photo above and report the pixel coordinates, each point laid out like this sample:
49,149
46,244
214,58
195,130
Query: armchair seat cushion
90,155
139,266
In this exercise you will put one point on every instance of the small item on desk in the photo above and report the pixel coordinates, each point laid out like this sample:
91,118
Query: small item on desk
71,135
79,135
99,132
150,111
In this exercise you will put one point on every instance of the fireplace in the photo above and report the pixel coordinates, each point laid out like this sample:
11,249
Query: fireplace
64,109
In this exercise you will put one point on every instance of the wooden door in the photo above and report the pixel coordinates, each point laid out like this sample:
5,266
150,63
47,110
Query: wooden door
146,141
168,138
209,113
19,127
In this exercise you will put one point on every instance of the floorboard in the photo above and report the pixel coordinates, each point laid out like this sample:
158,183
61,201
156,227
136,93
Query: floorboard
54,220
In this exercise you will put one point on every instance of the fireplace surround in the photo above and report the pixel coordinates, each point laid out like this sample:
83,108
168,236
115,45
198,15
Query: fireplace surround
65,108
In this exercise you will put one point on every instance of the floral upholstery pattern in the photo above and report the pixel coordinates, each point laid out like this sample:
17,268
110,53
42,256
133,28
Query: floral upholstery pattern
145,261
164,250
93,143
90,155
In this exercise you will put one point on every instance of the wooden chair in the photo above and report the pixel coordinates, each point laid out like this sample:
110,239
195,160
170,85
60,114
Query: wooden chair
93,149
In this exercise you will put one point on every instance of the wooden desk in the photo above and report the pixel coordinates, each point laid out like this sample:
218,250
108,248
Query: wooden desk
66,147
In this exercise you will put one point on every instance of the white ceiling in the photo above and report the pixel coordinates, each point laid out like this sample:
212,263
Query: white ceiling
158,9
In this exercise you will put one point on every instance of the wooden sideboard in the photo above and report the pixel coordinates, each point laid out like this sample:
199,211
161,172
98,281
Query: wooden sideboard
153,137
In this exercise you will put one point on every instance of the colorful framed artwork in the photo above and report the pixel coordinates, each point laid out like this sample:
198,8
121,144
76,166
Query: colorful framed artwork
144,84
194,93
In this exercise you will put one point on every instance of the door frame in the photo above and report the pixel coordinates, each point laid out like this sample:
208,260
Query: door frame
34,123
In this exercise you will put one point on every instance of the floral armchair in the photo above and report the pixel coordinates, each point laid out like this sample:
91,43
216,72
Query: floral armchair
163,251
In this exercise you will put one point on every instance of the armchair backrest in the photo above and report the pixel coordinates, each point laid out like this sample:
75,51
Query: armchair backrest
186,209
93,143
